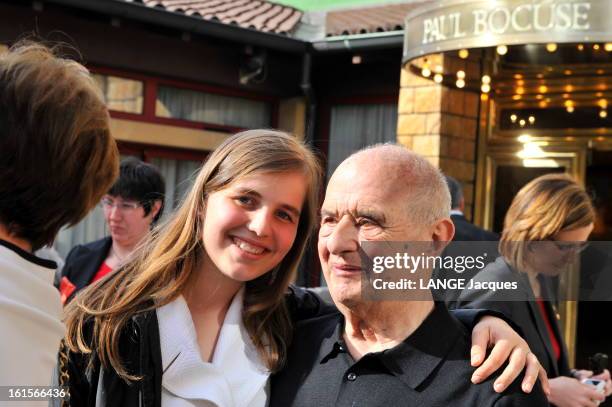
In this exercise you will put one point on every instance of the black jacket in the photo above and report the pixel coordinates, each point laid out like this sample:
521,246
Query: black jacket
140,350
83,262
521,307
466,231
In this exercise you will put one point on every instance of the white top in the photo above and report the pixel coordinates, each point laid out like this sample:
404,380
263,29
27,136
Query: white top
236,377
30,319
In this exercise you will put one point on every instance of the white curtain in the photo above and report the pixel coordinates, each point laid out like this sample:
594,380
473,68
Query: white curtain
179,176
356,126
89,229
210,108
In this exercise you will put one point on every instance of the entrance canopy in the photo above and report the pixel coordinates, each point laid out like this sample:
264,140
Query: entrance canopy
439,26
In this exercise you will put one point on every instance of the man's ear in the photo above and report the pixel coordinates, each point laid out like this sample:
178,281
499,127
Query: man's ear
442,233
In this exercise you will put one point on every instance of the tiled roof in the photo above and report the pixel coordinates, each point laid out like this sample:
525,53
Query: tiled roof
259,15
368,20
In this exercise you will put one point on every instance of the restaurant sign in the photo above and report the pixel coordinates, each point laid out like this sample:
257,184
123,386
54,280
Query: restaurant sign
439,26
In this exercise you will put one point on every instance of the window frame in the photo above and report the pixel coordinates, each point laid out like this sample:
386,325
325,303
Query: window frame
151,85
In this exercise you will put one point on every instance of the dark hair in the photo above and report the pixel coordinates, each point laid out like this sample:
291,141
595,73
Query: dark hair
57,154
456,191
141,182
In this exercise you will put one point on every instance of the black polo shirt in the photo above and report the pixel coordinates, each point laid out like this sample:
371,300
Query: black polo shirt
430,368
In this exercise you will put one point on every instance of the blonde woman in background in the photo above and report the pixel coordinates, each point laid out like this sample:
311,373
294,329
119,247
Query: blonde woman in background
201,315
545,227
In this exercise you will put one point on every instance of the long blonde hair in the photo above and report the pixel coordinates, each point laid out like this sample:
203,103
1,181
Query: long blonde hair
542,208
167,261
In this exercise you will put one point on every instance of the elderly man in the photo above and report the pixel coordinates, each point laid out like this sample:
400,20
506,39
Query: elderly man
380,353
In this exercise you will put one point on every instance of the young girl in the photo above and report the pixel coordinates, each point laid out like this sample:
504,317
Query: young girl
201,315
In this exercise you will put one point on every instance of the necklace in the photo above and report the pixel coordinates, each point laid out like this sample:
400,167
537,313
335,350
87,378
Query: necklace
121,259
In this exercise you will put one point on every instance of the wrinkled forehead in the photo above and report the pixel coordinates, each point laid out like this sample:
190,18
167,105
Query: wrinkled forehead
351,186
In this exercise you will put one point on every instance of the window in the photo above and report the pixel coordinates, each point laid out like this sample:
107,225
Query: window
121,94
203,107
354,127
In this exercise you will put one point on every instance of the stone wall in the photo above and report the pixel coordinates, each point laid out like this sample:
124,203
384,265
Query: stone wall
440,122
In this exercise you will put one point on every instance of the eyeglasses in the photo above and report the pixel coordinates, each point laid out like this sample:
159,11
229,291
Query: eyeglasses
124,206
570,247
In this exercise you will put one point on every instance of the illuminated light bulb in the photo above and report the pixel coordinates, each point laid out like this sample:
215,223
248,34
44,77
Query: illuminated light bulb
485,88
580,47
513,118
542,104
596,47
461,74
438,69
569,103
464,53
570,109
600,72
522,122
356,59
603,103
518,76
426,72
520,90
539,97
460,83
438,78
531,119
516,97
551,47
502,49
543,89
539,76
608,46
486,79
524,138
567,72
603,114
569,88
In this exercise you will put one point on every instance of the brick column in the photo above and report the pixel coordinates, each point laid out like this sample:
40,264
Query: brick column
440,122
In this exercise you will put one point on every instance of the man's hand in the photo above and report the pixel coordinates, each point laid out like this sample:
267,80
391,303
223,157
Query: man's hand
569,392
493,332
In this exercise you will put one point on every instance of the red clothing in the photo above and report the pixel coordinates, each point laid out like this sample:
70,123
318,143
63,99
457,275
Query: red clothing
551,333
102,271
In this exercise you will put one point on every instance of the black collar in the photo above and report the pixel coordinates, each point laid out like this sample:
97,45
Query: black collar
417,357
49,264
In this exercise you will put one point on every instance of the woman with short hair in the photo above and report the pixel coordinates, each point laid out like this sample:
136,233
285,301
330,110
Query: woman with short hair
131,208
57,158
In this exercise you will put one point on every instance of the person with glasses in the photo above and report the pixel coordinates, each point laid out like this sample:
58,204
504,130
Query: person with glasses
131,207
545,229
